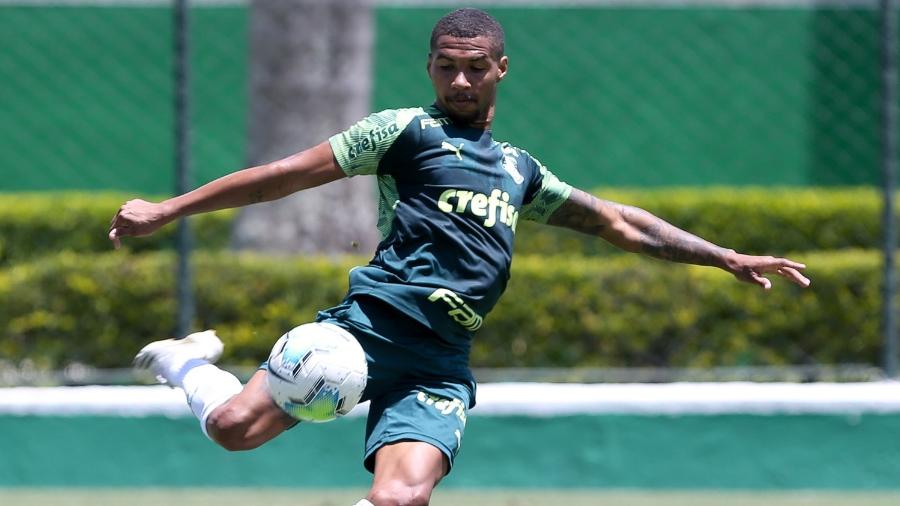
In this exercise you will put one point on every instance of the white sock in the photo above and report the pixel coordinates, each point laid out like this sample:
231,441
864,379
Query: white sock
206,386
363,503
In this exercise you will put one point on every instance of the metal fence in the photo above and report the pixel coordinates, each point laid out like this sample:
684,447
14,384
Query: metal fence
677,94
88,92
637,94
665,93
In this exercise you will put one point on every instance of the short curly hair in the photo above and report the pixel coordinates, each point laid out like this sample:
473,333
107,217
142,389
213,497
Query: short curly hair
470,23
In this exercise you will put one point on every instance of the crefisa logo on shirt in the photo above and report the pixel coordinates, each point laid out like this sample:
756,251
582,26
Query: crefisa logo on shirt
369,142
494,208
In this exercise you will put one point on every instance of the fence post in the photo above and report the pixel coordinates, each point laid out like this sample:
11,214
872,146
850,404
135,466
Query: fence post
889,175
181,70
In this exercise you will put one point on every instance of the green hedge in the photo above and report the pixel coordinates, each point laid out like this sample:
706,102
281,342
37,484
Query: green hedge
36,224
749,220
614,311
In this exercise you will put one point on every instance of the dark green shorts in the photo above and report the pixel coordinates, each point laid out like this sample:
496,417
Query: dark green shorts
420,388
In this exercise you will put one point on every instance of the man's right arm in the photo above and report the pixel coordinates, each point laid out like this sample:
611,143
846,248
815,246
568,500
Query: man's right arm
272,181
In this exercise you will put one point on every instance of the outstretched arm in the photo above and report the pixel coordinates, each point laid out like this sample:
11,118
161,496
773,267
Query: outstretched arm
313,167
636,230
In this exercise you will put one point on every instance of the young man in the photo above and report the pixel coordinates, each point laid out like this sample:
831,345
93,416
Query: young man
450,200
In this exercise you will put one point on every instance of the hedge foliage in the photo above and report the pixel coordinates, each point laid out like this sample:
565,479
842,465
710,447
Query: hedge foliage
99,309
36,224
749,220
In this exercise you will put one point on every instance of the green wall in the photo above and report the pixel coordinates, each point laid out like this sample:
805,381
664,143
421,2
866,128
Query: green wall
747,452
606,96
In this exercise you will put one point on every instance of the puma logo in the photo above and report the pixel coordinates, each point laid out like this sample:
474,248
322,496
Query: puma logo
456,150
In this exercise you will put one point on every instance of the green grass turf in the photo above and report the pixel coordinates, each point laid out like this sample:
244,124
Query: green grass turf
447,497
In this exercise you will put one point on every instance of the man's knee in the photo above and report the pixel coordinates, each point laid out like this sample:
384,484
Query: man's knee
228,426
400,494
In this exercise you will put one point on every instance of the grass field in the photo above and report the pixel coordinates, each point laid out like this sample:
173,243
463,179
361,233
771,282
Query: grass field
519,497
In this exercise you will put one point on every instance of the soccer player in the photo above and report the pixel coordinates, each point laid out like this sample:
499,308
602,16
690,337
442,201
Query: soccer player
450,200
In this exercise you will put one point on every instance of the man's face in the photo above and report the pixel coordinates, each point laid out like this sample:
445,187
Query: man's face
465,75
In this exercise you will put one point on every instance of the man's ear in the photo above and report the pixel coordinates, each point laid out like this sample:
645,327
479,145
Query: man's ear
503,67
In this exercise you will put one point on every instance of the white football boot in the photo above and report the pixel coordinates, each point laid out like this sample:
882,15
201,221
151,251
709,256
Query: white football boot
166,357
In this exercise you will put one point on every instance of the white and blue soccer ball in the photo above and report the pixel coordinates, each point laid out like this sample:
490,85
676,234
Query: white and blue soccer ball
317,372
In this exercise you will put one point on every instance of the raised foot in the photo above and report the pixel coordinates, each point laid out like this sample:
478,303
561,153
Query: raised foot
168,355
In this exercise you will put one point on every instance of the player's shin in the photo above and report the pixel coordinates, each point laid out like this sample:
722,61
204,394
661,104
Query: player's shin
186,363
207,387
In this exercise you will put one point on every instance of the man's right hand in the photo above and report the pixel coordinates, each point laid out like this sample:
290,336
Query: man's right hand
137,218
264,183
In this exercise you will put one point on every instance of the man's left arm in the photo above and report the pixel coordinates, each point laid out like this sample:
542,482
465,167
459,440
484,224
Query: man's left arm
633,229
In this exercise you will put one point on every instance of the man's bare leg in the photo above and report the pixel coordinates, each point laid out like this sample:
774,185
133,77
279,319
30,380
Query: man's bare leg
406,473
234,416
248,419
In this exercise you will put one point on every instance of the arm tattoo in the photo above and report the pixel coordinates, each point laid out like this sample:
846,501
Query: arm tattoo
256,196
580,212
668,242
633,229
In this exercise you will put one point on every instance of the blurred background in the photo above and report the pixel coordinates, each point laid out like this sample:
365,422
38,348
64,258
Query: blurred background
761,125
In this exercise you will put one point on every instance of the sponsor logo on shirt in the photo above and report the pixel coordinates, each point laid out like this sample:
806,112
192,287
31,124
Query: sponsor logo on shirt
459,310
369,142
494,208
433,122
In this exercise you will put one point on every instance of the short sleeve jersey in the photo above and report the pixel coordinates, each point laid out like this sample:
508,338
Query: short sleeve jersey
450,198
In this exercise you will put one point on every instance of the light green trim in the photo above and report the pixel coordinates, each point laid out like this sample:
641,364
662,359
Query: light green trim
552,194
388,198
359,149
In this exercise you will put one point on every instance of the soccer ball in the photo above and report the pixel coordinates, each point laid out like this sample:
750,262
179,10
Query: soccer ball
317,372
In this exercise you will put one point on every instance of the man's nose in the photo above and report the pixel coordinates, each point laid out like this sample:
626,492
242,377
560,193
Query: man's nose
460,81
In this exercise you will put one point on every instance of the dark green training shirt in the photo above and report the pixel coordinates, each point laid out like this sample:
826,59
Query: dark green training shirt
450,200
